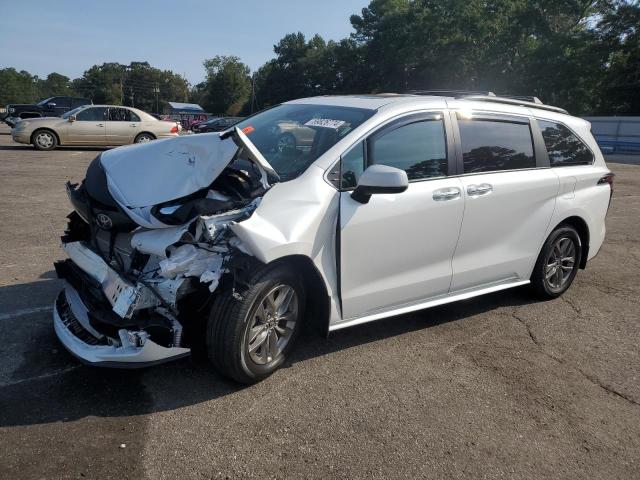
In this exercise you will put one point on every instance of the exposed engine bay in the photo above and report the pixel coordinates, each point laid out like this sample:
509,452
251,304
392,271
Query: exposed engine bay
139,285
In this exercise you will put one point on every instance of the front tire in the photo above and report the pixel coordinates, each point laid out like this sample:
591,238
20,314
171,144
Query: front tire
252,329
44,140
558,263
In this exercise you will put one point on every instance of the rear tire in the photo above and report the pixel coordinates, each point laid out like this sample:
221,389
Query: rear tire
558,263
252,329
44,140
144,138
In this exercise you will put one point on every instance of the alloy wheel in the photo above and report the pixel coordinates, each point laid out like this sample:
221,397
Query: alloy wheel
560,263
44,140
272,324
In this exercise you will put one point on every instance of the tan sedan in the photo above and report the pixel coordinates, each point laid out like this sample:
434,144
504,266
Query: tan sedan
96,125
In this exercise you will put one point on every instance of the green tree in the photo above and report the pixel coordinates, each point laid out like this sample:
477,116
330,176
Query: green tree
227,86
17,87
55,84
138,85
619,89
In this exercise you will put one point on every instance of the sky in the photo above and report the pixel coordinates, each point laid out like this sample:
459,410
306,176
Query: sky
69,36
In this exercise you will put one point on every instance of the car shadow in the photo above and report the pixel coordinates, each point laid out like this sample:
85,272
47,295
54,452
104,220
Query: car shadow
49,385
68,149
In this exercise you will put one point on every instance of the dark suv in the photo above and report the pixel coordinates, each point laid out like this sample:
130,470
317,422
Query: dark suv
49,107
215,124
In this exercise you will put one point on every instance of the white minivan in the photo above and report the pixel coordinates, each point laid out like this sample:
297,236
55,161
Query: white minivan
227,243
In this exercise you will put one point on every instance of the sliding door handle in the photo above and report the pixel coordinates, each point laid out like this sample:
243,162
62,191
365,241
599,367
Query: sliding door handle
443,194
481,189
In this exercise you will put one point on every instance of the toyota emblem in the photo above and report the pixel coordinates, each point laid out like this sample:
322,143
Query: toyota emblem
104,221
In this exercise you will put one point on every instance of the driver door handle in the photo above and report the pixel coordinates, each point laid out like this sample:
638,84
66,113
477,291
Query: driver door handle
449,193
99,125
481,189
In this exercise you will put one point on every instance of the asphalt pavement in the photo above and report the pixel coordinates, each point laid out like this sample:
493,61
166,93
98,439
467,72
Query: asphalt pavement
495,387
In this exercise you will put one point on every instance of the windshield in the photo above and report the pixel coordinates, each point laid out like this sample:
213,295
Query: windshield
42,102
293,136
73,112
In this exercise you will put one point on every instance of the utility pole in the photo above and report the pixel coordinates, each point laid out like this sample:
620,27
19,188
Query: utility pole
253,91
156,90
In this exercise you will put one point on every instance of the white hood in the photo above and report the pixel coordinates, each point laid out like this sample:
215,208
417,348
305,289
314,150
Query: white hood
151,173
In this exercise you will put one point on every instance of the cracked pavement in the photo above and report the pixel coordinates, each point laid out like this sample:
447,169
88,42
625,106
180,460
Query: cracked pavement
501,386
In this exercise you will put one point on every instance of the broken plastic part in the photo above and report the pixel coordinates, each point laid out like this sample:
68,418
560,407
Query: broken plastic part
189,261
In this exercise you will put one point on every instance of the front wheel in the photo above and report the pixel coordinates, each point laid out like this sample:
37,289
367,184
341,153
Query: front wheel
558,263
251,331
44,140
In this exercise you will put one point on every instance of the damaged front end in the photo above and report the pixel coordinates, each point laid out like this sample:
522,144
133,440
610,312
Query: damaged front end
140,274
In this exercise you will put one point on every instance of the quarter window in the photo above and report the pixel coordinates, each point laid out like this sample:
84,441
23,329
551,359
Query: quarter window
352,166
563,146
489,146
417,148
96,114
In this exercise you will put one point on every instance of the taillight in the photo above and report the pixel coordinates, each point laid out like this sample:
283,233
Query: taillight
174,129
608,178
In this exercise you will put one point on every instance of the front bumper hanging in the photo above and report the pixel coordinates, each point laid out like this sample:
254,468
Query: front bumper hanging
86,277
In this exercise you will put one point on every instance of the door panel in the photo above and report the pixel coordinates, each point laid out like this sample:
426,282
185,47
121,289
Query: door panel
505,219
397,249
89,127
122,126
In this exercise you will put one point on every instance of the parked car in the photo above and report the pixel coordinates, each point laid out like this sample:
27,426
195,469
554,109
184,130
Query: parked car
49,107
293,135
215,124
93,125
229,244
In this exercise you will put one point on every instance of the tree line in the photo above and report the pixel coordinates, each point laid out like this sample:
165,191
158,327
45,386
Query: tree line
583,55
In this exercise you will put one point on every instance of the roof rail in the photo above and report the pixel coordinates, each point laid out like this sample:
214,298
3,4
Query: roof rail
450,93
524,98
516,101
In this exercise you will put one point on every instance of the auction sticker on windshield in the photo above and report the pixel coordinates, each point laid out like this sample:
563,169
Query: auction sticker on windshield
325,123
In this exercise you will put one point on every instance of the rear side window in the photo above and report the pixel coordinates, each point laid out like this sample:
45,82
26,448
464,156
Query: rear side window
563,146
61,102
121,115
489,145
417,148
79,102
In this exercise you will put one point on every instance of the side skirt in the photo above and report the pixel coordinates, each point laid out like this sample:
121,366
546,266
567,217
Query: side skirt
450,298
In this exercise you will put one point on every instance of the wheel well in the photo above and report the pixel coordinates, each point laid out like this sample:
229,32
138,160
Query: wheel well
48,130
583,232
318,302
147,133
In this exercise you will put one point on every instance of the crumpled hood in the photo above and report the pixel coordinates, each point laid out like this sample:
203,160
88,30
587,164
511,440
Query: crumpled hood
156,172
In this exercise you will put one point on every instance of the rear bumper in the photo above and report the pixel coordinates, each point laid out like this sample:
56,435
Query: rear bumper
70,321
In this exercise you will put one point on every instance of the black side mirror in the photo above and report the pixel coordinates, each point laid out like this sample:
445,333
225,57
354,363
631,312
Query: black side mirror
51,106
379,179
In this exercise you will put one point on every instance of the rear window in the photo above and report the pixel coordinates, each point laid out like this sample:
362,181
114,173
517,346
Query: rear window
293,136
563,146
489,145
